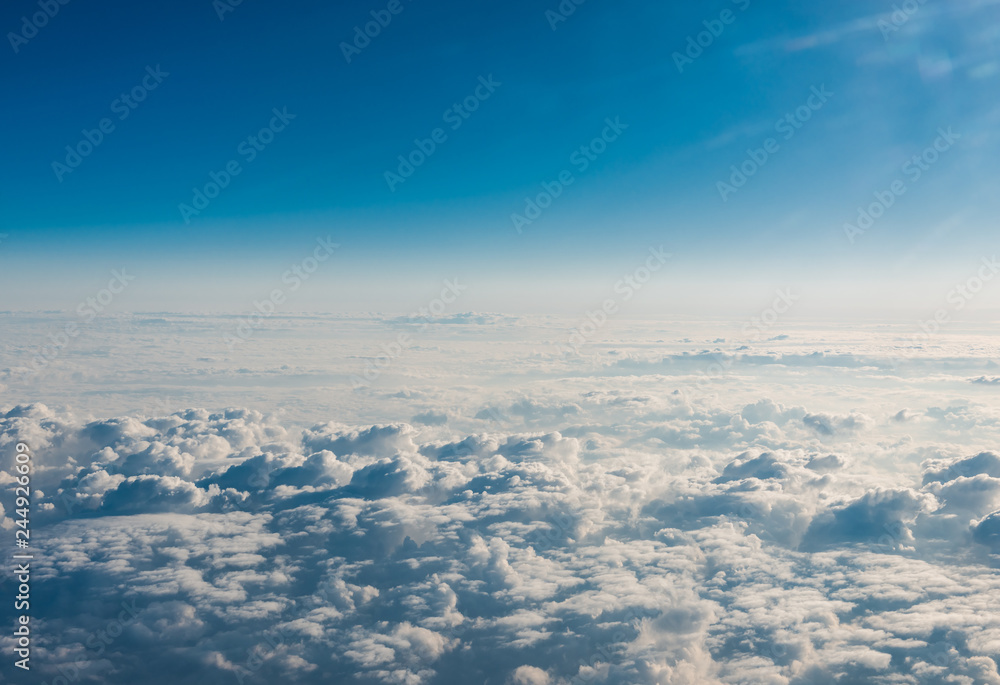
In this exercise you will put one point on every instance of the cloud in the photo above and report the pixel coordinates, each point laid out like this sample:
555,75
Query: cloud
829,462
987,531
598,523
878,514
529,675
156,493
378,441
461,319
939,471
431,418
763,467
832,425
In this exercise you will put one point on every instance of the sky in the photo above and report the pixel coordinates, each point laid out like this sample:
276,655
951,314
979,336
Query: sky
353,342
210,77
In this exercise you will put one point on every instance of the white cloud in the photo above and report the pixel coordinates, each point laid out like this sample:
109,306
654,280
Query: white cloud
611,523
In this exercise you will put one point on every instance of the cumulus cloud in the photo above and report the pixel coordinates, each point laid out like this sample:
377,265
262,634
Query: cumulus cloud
871,517
431,418
529,675
624,519
940,471
832,425
379,441
987,531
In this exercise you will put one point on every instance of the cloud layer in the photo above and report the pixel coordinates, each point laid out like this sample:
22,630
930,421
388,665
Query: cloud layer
702,543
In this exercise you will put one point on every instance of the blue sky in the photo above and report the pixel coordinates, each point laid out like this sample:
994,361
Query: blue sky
895,81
